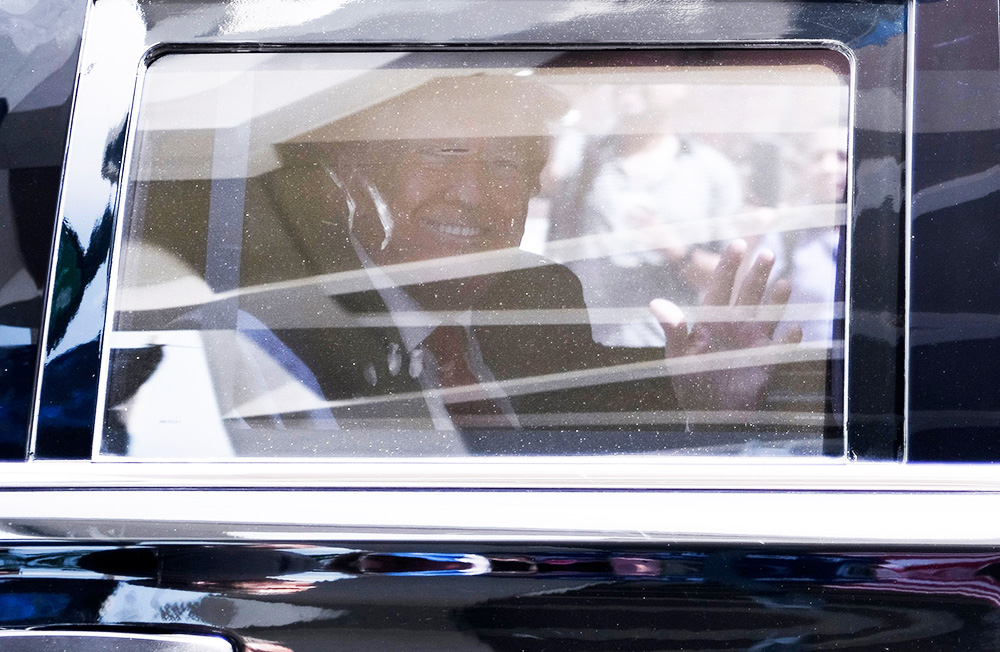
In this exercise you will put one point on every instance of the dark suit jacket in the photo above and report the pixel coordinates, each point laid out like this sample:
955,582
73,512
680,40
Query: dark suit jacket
353,362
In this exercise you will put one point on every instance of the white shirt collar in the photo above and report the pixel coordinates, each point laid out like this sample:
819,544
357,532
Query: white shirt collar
397,300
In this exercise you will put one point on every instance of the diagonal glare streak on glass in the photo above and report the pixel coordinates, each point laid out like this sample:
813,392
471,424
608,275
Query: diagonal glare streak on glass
558,316
665,417
553,317
744,225
720,360
591,419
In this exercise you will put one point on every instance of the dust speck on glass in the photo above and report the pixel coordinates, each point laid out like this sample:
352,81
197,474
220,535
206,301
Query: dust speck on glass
434,254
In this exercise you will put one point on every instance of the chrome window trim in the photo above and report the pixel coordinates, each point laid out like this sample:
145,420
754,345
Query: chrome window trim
534,473
813,518
911,69
162,49
54,640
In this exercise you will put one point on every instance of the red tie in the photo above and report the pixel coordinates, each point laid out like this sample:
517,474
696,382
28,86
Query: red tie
449,346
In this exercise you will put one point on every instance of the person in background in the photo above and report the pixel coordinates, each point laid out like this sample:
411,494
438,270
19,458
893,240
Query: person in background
655,196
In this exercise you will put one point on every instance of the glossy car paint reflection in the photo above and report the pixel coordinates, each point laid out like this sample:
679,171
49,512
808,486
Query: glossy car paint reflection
308,597
954,341
39,49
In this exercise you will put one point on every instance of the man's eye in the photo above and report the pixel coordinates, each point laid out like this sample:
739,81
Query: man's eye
442,155
446,152
505,166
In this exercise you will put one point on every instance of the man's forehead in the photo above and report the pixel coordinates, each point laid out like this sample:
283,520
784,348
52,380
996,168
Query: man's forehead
403,150
452,107
472,145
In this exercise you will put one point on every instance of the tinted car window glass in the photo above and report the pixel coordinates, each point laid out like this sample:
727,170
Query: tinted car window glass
427,254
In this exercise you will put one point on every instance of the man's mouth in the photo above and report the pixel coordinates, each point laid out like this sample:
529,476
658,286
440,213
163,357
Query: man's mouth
454,230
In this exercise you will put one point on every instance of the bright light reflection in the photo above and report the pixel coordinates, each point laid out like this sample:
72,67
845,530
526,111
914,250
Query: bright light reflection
255,15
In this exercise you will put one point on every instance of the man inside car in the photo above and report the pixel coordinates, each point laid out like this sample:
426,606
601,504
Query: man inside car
427,192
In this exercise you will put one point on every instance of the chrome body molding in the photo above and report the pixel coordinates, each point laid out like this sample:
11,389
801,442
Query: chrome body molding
810,518
108,641
526,474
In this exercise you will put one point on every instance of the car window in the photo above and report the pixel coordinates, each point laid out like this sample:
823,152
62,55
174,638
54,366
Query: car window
438,254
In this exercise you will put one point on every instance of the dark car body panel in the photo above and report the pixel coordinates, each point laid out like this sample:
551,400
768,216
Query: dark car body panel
66,563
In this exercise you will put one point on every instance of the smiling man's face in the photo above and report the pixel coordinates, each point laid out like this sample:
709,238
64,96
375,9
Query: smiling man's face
447,197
